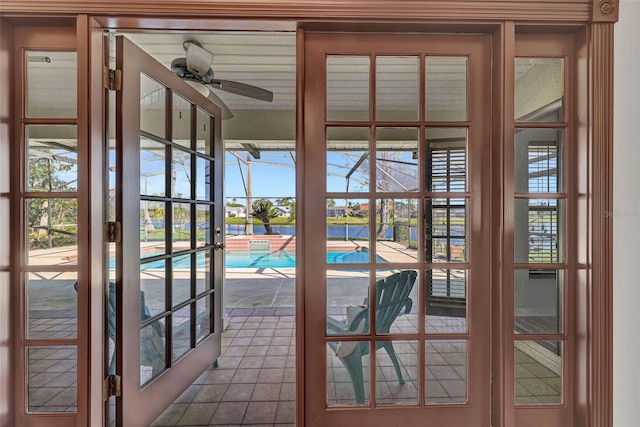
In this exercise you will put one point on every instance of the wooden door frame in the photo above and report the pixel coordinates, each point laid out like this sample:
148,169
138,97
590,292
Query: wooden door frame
190,365
477,51
7,256
591,20
62,37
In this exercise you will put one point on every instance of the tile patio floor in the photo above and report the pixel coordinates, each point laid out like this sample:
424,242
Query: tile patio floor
255,382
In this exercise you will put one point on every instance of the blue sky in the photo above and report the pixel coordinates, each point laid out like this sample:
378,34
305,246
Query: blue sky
267,181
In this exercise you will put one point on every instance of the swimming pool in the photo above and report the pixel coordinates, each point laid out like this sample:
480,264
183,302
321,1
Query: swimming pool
259,259
284,259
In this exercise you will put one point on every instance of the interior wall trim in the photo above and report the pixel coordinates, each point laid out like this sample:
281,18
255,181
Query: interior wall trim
601,140
539,10
598,17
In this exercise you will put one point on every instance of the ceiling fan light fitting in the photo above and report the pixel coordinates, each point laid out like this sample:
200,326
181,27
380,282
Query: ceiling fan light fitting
199,60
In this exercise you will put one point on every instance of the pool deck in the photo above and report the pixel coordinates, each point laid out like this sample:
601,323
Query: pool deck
245,288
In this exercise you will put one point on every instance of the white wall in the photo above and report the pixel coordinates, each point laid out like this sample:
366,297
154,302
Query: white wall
626,218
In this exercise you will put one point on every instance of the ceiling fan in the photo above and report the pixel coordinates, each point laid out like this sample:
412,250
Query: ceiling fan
196,68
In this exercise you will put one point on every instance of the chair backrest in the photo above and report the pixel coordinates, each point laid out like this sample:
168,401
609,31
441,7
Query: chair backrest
392,298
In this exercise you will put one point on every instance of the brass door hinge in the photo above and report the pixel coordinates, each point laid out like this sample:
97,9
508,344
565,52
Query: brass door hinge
111,387
113,232
112,79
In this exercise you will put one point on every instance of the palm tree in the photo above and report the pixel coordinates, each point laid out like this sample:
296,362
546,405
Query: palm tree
263,210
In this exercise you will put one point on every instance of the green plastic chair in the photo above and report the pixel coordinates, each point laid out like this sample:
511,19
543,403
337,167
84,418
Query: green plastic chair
392,300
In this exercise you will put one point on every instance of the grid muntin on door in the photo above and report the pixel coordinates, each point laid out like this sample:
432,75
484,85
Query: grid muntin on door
181,190
369,183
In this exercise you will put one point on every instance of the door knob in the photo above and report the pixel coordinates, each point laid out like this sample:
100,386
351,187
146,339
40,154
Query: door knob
218,245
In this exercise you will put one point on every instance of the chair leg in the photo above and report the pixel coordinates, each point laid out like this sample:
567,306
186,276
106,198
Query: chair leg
354,368
392,354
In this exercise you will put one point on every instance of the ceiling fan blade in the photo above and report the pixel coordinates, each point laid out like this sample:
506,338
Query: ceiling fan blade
226,112
243,89
205,91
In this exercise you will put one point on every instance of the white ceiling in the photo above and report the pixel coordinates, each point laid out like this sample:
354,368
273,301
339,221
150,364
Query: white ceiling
266,60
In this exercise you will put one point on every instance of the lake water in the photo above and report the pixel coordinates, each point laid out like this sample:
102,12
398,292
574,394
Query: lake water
333,231
341,231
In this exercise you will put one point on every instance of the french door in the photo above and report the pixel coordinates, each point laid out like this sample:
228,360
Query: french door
167,310
397,201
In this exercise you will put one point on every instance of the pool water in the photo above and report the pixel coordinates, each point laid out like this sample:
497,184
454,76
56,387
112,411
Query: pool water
258,259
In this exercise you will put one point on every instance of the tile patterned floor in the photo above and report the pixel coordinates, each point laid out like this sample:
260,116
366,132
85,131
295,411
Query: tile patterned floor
254,383
537,379
52,385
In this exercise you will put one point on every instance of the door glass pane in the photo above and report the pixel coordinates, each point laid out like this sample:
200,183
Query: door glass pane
348,163
152,228
538,230
204,132
347,302
538,372
181,226
52,152
181,279
52,373
446,88
52,231
181,332
397,88
446,371
538,302
348,88
152,168
348,373
396,302
203,222
153,279
152,350
204,178
446,154
347,231
446,230
397,159
446,309
538,160
152,106
52,311
397,372
52,84
397,230
539,89
203,271
203,318
181,124
180,174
